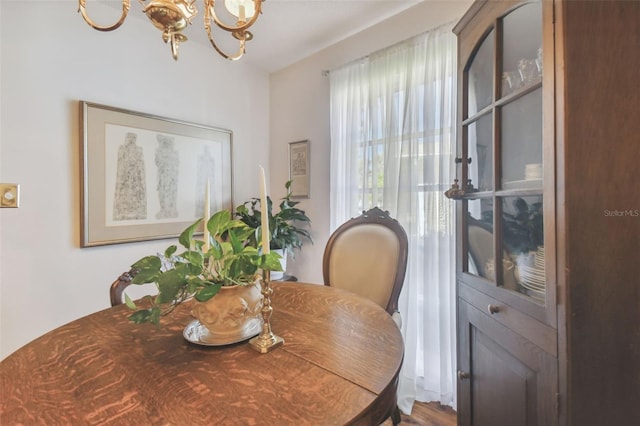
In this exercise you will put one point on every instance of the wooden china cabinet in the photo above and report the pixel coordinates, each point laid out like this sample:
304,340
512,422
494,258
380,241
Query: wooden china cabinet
548,208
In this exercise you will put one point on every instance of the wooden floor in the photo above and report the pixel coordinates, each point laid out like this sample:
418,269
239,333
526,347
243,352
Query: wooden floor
430,414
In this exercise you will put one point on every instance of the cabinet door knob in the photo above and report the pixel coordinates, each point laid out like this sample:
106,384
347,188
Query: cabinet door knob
493,309
463,375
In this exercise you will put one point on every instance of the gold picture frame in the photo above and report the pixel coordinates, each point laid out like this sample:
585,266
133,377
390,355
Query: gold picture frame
144,176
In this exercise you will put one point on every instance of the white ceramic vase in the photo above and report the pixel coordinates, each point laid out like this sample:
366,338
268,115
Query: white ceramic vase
278,275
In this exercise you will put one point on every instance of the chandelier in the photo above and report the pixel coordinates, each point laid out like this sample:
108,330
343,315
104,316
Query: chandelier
173,16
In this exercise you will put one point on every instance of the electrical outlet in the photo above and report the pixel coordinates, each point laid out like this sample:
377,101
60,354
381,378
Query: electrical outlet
9,195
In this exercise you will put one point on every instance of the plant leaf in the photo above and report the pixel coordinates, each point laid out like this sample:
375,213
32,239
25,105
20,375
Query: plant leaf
130,304
187,235
194,282
141,316
169,284
148,270
170,251
270,262
215,250
194,257
145,276
148,262
236,243
208,292
217,221
154,318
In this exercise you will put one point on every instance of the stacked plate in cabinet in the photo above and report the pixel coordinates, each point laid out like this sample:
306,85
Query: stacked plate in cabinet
531,274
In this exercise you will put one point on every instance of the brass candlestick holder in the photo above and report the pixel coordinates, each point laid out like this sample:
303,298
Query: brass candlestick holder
266,341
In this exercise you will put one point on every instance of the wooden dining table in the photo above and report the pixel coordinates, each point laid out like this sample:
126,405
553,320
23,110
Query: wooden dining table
339,365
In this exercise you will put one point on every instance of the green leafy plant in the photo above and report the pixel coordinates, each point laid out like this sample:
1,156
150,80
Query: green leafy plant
285,226
231,259
523,230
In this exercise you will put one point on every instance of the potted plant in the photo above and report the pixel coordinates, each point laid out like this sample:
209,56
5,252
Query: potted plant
285,226
523,230
228,260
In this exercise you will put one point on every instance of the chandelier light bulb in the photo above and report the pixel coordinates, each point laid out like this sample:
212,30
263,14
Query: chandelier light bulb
241,9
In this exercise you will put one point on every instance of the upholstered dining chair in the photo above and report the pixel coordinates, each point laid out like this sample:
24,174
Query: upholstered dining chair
367,255
122,283
117,287
480,235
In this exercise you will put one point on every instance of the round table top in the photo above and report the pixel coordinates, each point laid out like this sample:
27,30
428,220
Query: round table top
339,365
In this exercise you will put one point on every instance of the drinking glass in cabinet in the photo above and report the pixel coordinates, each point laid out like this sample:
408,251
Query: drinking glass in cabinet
539,62
528,71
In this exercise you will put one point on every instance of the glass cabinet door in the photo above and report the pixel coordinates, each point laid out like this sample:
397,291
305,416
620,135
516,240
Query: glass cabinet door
523,240
502,143
521,142
480,76
520,62
480,150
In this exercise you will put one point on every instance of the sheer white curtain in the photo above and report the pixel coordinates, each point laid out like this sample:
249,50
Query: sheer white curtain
392,146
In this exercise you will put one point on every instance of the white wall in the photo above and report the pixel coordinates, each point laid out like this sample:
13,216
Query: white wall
50,59
299,107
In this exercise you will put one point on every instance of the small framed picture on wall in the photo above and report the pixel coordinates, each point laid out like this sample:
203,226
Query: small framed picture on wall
299,171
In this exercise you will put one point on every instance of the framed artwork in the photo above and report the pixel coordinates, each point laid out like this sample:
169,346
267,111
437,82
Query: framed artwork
144,177
299,172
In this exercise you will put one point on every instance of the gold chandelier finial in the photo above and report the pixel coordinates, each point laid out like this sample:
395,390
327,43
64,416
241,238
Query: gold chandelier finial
173,16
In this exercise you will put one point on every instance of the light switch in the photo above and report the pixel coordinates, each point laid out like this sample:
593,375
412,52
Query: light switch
9,195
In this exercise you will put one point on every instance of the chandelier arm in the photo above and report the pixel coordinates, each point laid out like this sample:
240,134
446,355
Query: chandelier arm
92,24
210,12
175,44
235,57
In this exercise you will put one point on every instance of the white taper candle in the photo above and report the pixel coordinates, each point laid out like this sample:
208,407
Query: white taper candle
207,214
264,207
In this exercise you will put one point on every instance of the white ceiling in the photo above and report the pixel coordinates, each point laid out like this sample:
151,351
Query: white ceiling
290,30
